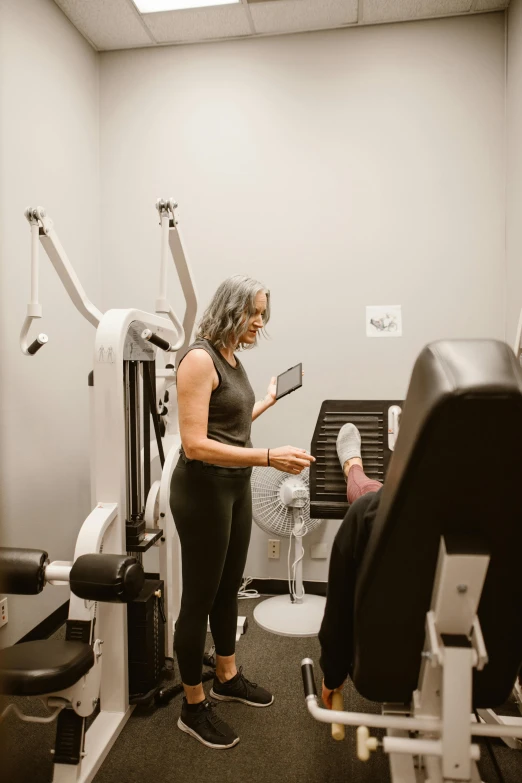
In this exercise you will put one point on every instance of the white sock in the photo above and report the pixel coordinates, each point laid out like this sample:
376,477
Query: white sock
348,443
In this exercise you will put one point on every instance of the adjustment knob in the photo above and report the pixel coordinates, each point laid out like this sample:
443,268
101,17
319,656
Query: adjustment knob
365,743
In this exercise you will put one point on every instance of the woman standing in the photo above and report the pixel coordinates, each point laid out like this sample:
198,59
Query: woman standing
211,499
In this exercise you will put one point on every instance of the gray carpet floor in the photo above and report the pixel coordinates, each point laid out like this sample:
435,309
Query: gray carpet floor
278,743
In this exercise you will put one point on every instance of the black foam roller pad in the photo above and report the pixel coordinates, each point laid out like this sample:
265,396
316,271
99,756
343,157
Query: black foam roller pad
108,578
22,571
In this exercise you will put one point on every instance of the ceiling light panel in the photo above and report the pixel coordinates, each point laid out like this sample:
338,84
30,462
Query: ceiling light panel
199,24
293,16
156,6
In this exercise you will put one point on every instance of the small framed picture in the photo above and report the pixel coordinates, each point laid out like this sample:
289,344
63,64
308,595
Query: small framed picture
383,321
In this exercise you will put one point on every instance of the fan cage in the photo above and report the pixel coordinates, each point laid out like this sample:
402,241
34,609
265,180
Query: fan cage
269,512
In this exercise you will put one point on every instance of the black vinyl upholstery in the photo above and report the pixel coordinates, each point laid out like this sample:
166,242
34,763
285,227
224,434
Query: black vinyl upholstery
37,668
41,667
22,571
456,470
109,578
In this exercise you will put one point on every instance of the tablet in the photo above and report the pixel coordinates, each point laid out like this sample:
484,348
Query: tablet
289,381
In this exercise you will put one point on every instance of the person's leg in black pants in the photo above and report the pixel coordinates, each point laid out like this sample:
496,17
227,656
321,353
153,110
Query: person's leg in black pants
213,515
224,612
336,634
363,493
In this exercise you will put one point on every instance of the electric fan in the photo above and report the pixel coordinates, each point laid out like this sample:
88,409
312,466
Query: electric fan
281,507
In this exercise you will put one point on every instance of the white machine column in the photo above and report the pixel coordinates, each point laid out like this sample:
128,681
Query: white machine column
110,487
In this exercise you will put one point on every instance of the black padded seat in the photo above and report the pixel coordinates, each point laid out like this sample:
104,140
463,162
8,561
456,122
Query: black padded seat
456,472
37,668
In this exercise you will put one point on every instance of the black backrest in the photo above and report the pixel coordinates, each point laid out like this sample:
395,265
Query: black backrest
456,470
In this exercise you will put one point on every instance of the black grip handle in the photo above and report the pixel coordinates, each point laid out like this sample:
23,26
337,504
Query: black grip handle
37,344
307,671
159,342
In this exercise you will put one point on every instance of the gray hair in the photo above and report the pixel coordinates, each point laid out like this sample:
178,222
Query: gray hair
223,321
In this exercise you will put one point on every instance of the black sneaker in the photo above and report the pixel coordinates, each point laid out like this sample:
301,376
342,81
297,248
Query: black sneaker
241,689
204,725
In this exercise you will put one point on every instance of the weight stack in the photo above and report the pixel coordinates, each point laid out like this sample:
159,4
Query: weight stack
146,632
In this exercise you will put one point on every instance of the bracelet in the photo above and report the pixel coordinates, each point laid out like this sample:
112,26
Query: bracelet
268,458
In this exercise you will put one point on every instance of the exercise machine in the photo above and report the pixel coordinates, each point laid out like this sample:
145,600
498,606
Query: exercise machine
81,677
123,394
148,390
438,602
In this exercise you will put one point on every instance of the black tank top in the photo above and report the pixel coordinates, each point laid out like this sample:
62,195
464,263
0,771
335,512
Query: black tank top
231,403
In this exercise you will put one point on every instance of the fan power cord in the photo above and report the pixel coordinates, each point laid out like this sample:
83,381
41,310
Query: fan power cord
292,569
247,593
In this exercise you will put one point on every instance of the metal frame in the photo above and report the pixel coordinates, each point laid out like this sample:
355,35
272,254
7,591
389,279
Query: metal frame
440,714
159,514
158,501
104,530
105,527
171,237
42,230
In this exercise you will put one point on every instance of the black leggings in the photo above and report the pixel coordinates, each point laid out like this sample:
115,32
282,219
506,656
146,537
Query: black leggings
212,509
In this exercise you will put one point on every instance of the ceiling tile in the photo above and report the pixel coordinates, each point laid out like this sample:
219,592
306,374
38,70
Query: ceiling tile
199,24
292,16
116,24
398,10
489,5
113,24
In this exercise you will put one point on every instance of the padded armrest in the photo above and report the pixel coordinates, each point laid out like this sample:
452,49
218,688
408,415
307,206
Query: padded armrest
22,571
108,578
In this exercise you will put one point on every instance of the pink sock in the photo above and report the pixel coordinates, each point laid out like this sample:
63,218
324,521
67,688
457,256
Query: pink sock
359,484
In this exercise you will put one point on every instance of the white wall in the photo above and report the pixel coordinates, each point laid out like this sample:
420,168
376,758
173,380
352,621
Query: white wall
49,155
514,169
342,168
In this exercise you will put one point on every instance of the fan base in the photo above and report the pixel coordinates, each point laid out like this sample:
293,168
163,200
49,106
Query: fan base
279,615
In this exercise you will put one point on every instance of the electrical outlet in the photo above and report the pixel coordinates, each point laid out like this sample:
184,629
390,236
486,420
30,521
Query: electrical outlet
3,611
273,548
